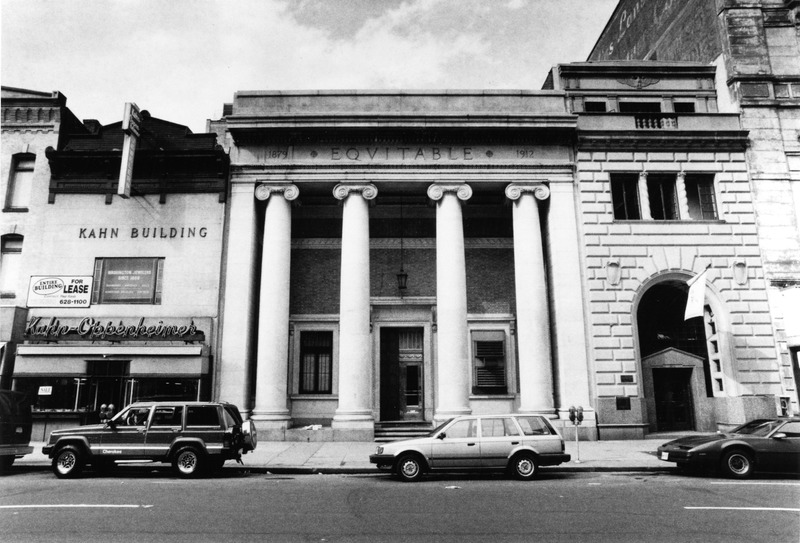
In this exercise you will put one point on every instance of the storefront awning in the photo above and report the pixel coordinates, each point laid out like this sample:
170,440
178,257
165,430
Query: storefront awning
180,360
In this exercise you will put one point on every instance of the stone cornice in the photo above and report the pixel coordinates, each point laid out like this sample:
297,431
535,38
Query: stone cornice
30,116
735,140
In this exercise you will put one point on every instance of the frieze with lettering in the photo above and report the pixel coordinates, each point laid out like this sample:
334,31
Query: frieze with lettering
408,154
89,328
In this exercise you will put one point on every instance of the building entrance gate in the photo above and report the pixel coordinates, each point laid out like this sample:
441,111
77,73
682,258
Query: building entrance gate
402,372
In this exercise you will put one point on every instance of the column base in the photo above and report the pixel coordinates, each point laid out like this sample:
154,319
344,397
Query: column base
353,426
550,413
270,430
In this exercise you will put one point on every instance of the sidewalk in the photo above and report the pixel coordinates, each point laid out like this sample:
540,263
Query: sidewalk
353,457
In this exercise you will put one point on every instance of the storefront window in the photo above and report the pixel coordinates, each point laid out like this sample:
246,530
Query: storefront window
57,393
165,389
87,394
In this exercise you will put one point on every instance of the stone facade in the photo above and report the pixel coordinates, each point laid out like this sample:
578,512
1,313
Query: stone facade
756,47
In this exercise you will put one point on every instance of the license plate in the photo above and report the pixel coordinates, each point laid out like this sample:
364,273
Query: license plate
664,456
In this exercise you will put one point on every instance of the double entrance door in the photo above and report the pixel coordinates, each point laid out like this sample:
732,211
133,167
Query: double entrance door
402,373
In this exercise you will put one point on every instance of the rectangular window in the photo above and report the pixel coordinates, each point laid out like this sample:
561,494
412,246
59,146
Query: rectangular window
625,196
10,263
489,363
594,107
640,107
662,197
20,182
202,415
700,193
168,416
316,362
684,107
128,281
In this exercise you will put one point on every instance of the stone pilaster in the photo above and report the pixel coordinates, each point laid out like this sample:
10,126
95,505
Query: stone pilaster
683,198
644,199
238,313
453,363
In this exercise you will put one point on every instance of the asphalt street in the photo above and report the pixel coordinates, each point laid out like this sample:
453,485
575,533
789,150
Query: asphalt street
144,504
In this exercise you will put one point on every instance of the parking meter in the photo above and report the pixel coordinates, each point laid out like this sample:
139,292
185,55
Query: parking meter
576,417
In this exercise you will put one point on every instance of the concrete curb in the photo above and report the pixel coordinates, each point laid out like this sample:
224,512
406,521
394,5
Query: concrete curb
342,470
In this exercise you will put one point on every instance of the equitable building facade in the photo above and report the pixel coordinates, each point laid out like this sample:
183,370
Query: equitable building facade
403,257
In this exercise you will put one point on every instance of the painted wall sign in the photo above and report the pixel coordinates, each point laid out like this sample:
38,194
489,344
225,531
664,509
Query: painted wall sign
60,291
88,328
142,232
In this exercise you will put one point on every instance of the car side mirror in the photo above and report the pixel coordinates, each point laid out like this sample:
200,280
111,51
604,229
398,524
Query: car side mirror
779,435
441,436
110,423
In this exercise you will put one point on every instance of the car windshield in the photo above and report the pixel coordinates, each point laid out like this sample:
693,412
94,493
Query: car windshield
438,428
759,427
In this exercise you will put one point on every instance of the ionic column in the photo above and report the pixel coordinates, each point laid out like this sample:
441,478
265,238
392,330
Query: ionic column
238,316
354,414
533,318
683,198
644,198
273,321
453,363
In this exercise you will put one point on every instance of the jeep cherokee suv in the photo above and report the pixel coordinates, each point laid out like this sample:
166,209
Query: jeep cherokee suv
196,437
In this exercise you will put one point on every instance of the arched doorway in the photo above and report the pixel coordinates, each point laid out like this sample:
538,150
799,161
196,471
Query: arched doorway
675,360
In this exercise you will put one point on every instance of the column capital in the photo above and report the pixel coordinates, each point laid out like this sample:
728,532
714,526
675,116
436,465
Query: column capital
514,191
643,175
265,190
438,190
368,190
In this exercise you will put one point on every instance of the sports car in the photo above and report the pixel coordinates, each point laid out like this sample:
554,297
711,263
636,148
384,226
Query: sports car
763,445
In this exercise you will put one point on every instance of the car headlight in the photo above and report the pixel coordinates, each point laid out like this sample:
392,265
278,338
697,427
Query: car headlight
379,450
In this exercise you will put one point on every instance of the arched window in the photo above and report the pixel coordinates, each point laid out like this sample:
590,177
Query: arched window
10,264
20,182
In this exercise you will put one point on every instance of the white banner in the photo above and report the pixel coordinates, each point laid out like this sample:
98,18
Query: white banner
60,291
697,296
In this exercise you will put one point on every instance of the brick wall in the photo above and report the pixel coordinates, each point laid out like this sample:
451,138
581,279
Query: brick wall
315,278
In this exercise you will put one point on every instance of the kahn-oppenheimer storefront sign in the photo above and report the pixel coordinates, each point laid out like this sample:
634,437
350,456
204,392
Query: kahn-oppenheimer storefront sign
112,329
60,291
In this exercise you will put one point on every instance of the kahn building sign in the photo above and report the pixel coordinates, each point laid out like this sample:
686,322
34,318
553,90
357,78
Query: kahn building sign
88,328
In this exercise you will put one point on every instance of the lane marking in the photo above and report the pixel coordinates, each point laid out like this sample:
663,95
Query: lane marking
793,509
755,483
78,505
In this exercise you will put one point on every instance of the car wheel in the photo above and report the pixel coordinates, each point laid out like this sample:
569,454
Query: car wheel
409,468
188,462
68,462
738,464
523,466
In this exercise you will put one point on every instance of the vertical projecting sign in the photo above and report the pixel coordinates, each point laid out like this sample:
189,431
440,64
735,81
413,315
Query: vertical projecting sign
131,123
